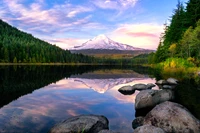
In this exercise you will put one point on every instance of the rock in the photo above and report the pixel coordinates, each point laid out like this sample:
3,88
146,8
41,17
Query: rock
137,122
162,82
172,81
172,117
126,90
106,131
82,123
168,86
150,98
150,85
148,129
198,73
139,87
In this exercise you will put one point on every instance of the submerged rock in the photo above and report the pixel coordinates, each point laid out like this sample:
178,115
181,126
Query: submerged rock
150,98
172,118
82,123
126,90
137,122
148,129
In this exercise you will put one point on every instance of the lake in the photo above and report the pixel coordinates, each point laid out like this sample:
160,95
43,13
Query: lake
34,98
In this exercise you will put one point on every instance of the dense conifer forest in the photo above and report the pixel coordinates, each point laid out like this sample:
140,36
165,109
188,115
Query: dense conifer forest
181,37
19,47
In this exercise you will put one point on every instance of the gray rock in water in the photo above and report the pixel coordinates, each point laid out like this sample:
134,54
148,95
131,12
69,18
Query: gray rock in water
148,129
172,81
162,82
150,98
140,87
126,90
137,122
106,131
172,118
82,123
150,85
168,86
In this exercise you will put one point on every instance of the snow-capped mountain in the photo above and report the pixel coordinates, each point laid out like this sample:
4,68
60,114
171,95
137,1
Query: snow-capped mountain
102,85
103,42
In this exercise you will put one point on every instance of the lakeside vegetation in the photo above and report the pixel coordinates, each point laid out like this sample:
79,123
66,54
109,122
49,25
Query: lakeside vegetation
179,48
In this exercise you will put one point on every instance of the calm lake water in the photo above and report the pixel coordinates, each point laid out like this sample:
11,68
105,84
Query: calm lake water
34,98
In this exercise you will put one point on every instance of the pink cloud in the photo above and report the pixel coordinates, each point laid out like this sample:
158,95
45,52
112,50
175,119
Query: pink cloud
142,34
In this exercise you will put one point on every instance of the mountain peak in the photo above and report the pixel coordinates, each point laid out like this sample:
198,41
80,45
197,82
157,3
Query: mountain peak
103,42
101,36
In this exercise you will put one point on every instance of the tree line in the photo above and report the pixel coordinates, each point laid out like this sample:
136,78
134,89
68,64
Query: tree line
20,47
181,38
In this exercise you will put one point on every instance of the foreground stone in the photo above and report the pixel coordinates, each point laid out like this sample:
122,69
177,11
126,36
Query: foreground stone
106,131
148,129
82,123
137,122
127,90
150,98
172,118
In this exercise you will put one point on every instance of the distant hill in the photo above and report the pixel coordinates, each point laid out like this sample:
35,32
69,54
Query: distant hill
20,47
102,46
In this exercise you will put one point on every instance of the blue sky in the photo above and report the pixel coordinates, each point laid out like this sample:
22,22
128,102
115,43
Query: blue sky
69,23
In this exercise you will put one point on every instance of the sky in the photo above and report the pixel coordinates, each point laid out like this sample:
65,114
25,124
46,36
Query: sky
69,23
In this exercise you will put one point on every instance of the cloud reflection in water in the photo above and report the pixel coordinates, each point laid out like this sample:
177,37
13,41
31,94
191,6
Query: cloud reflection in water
39,111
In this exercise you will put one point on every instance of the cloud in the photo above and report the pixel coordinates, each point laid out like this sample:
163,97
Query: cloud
114,4
44,20
138,35
66,43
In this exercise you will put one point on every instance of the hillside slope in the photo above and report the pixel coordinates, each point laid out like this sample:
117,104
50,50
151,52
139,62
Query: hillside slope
19,47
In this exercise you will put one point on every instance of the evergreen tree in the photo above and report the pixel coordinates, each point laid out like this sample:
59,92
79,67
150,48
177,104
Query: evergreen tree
192,12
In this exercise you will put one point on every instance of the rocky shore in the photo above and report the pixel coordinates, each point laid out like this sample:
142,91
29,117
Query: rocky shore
155,113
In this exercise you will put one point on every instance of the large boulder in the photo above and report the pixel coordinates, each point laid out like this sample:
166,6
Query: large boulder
150,98
82,123
148,129
126,90
172,118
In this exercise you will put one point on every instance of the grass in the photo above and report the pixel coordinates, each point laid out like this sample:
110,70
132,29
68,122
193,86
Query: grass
177,67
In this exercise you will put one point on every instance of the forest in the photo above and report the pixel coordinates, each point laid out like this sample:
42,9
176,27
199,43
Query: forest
181,37
19,47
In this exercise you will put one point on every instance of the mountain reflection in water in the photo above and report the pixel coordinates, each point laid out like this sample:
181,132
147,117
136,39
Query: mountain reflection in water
89,93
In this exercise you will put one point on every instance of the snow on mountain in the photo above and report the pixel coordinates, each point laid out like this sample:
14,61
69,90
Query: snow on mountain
103,42
102,85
